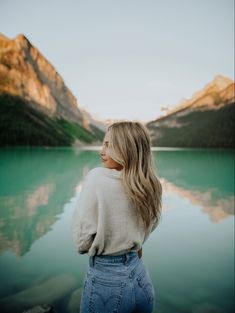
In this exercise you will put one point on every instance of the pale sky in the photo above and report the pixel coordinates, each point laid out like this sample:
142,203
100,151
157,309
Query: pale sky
128,58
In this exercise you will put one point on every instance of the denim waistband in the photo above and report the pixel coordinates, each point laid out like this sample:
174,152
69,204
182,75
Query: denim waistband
123,258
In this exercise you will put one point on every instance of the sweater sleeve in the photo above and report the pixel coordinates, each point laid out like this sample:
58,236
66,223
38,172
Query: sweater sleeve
85,216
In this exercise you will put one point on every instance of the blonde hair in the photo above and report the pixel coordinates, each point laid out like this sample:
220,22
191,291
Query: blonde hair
130,146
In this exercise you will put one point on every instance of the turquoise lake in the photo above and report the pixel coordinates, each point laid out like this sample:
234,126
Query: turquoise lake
190,255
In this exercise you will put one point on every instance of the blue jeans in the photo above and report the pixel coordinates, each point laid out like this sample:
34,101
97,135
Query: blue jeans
117,284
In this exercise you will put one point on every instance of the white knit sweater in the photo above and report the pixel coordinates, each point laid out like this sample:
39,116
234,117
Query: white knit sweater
104,222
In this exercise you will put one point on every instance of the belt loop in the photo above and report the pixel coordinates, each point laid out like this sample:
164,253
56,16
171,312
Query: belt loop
92,261
126,258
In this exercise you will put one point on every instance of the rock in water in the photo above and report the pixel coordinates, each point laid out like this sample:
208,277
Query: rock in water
48,291
74,302
41,309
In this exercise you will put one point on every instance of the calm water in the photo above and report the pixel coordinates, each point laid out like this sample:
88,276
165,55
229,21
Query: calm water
189,256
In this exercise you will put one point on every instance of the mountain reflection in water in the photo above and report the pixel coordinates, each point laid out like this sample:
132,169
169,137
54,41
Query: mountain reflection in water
189,256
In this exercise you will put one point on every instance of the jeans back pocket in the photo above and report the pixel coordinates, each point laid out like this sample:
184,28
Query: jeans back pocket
106,295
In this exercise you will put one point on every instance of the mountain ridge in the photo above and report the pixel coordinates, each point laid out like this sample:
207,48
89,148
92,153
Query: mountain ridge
223,94
26,74
39,81
205,120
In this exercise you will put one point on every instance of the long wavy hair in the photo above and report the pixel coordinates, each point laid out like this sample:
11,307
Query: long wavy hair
130,146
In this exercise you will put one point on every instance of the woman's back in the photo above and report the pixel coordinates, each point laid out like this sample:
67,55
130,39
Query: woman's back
105,215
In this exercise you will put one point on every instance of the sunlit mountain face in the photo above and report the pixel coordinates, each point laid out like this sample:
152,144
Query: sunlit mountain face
206,120
37,108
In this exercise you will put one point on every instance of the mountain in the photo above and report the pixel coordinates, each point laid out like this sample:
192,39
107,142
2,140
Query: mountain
36,106
206,120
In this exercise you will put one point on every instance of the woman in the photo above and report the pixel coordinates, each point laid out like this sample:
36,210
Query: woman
118,207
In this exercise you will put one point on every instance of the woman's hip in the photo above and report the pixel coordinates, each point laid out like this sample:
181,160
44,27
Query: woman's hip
117,284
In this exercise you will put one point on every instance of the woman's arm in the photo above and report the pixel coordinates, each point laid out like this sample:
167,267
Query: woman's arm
85,217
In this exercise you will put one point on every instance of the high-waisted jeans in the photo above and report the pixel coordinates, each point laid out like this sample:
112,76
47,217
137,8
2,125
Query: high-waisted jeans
117,284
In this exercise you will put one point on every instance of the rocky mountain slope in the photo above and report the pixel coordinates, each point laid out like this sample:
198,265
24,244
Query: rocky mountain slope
29,81
206,120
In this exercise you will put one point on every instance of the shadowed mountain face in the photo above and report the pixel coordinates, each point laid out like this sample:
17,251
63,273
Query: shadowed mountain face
206,120
26,77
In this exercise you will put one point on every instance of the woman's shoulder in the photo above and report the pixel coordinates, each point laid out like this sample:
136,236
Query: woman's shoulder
104,172
96,176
